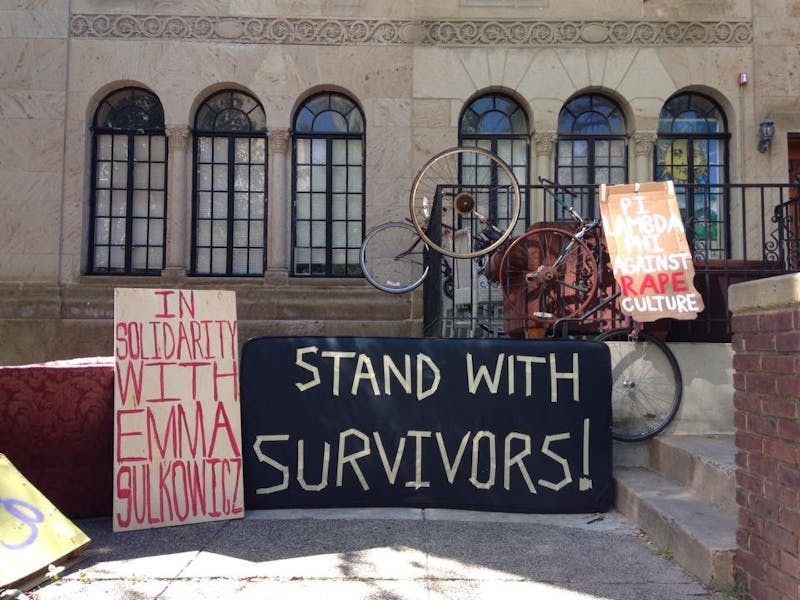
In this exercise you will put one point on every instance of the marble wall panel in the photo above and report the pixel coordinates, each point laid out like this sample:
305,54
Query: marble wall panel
37,147
33,64
34,22
698,9
31,104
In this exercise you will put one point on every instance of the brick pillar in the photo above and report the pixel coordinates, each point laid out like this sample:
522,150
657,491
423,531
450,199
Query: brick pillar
766,362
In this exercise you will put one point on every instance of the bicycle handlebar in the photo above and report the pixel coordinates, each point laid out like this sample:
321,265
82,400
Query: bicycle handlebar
557,186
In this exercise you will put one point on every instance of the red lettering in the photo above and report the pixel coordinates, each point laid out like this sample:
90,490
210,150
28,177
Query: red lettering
165,313
184,487
121,433
234,375
124,493
221,421
679,282
627,286
130,376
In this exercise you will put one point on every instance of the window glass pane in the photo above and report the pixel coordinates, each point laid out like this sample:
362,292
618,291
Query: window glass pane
339,183
303,151
220,149
104,147
257,179
256,233
204,177
318,203
241,205
256,206
220,208
117,231
156,257
318,183
318,235
339,208
241,150
241,177
157,176
156,233
354,152
157,148
239,265
141,147
257,150
303,208
339,151
120,147
219,233
219,256
203,260
354,207
256,261
101,258
303,233
141,175
139,231
240,231
319,151
120,175
220,177
103,175
303,183
204,147
141,203
157,204
119,203
139,258
116,257
103,203
203,233
354,181
204,205
101,231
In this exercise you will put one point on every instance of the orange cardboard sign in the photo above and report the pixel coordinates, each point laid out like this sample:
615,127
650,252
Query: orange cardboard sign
177,425
649,253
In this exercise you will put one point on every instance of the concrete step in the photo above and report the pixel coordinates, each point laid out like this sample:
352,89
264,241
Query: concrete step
706,464
699,536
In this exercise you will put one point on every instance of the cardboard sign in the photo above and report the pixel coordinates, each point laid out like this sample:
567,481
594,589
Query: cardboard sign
649,252
511,425
33,533
177,429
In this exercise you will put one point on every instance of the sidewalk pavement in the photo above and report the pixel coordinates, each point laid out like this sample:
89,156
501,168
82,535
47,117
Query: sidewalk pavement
377,554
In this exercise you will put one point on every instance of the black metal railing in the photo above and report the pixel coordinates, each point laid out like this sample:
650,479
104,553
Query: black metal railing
736,232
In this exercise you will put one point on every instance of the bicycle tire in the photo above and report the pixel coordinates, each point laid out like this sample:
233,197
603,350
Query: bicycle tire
392,258
464,187
646,384
548,274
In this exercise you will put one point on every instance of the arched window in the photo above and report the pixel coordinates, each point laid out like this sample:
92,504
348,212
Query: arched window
230,186
129,185
328,162
692,150
592,147
497,123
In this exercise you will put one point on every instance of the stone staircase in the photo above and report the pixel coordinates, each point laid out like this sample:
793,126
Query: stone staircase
681,491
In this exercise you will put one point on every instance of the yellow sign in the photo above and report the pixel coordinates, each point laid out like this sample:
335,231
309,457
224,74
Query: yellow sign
33,533
648,250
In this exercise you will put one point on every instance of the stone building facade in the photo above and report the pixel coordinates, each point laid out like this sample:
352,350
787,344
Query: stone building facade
401,75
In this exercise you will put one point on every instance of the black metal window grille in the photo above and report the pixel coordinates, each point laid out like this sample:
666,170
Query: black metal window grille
328,159
230,186
497,123
692,151
592,148
128,194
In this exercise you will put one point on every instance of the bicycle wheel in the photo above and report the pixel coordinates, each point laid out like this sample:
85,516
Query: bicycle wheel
464,188
646,384
548,274
393,258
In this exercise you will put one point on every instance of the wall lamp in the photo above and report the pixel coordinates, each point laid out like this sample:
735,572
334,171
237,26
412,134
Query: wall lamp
766,129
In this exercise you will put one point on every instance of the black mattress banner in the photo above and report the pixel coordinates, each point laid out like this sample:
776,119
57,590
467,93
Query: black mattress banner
507,425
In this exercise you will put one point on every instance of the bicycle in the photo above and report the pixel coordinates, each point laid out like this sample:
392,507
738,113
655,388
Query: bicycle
457,200
551,275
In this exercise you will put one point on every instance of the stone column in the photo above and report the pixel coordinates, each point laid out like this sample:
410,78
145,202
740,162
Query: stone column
279,202
544,143
643,144
178,203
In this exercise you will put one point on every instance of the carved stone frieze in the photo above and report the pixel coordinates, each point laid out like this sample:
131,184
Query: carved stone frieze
268,30
279,140
543,142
